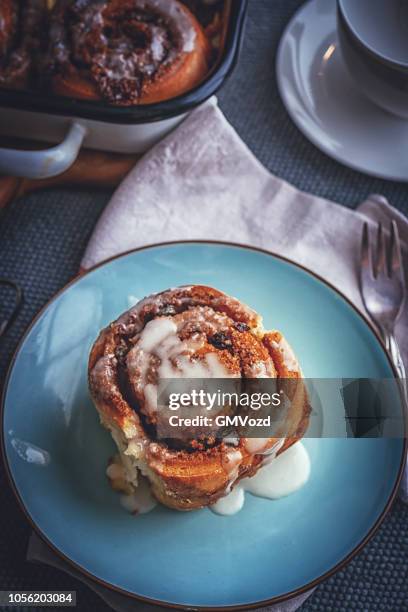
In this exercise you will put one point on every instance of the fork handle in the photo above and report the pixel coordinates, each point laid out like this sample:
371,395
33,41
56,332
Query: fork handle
395,353
393,350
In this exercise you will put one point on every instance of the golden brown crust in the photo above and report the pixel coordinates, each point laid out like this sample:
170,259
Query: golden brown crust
190,69
96,68
200,321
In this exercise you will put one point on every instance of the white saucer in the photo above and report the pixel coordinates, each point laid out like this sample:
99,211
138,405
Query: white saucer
322,101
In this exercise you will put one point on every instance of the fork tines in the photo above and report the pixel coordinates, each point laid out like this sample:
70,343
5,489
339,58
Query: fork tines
386,256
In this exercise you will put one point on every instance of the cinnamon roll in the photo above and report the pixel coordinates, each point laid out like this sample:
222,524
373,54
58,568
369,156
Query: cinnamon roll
21,25
187,332
125,51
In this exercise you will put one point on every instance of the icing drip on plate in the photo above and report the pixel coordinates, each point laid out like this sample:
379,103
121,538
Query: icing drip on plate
279,478
141,501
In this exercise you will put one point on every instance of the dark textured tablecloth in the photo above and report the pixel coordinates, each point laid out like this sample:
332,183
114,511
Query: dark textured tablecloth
42,238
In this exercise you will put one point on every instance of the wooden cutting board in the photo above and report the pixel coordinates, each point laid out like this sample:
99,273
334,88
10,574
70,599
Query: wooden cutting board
92,169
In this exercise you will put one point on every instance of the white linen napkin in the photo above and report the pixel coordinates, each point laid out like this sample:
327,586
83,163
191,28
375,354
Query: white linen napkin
202,182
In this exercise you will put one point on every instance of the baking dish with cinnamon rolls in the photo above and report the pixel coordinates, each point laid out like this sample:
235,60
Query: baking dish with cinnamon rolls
188,332
122,52
126,71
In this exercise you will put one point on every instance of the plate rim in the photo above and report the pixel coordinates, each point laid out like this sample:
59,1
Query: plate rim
302,127
149,600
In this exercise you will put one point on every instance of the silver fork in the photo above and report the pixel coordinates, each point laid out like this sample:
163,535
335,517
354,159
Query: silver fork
383,288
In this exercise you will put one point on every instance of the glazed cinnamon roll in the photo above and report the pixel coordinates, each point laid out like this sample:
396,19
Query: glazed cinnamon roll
187,332
125,51
21,26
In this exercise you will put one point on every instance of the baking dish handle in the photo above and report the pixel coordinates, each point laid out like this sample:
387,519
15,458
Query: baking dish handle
46,162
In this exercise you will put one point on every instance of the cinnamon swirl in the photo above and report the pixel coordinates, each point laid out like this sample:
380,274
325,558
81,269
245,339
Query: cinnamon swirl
21,24
187,332
125,51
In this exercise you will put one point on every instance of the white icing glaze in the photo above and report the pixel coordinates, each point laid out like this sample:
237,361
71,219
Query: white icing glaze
157,47
255,446
231,503
279,478
155,332
285,475
160,350
176,15
141,501
231,463
232,460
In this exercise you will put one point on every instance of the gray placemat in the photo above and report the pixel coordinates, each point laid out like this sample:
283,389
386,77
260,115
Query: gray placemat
42,238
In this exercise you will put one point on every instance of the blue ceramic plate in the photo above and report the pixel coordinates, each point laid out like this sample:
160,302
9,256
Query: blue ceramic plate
57,452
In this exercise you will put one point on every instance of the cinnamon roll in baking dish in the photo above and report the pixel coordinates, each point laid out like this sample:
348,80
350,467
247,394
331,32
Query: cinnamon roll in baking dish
21,24
187,332
125,51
